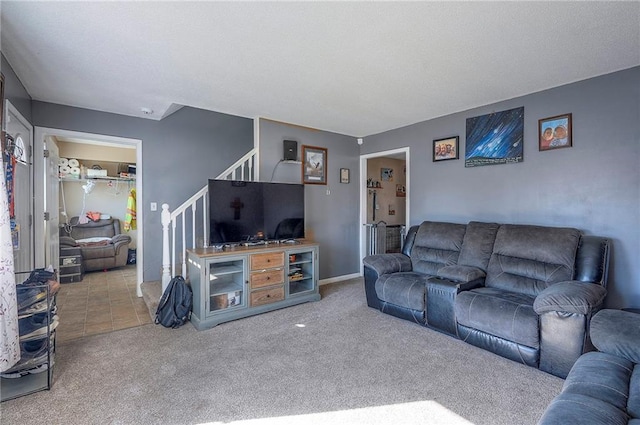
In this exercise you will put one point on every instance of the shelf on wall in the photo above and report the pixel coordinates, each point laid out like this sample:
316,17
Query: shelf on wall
104,179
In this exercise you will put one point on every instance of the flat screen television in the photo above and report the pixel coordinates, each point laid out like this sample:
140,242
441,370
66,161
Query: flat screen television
242,211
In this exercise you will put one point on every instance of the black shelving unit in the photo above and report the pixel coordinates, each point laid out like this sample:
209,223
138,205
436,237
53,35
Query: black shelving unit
34,371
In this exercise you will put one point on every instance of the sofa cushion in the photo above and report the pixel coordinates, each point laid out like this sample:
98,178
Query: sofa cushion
477,244
504,314
578,409
528,259
436,245
601,376
608,336
405,289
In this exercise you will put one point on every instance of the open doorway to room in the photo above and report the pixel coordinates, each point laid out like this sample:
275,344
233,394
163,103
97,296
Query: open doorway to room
101,175
384,200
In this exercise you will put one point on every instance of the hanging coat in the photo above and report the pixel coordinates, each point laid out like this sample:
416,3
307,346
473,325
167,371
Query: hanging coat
130,216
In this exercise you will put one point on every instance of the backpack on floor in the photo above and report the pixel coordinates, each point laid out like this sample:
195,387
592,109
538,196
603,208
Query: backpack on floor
174,308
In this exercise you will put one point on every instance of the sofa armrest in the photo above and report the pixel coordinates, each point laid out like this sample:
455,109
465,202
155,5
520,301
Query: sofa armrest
462,274
121,238
617,332
67,241
571,297
120,241
388,263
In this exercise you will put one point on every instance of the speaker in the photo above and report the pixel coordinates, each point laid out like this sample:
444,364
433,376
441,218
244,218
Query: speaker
290,150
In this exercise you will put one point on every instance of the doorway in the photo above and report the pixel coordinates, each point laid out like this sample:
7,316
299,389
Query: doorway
101,301
384,200
51,135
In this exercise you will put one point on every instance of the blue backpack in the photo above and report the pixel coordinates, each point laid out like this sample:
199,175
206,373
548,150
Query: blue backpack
174,308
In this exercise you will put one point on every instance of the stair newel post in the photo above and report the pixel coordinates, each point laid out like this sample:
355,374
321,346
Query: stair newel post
166,264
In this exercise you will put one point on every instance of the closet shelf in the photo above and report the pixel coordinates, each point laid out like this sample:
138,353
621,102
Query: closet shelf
104,179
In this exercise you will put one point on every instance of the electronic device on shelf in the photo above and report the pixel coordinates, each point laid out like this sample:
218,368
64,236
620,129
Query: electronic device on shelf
255,213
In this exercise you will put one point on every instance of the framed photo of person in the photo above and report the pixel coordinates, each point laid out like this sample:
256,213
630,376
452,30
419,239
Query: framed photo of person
554,132
445,149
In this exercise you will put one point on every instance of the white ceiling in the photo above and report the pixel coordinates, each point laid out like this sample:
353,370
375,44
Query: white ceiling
356,68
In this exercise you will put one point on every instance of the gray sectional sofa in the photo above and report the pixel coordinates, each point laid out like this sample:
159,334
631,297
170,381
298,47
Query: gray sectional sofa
524,292
603,387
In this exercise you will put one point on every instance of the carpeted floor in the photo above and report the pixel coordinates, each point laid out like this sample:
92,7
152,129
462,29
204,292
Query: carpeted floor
332,361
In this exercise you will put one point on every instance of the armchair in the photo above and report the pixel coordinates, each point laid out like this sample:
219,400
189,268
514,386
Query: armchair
103,246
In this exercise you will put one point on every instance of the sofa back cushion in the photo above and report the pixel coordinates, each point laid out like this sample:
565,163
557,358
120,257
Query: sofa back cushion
528,259
477,244
106,228
436,245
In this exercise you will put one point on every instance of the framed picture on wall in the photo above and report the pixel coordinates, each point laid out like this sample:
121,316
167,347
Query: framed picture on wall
314,165
554,132
444,149
495,138
386,174
344,175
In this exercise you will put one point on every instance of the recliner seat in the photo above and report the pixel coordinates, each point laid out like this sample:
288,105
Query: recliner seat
103,246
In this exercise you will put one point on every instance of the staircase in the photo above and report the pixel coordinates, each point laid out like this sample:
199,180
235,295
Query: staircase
246,168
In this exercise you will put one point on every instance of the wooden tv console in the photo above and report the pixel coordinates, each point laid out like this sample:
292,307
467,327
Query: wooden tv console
241,281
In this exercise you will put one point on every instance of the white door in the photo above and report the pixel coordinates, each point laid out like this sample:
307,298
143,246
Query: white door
20,176
51,203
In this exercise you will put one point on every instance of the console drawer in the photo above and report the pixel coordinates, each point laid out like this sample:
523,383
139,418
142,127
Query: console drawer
267,260
266,296
266,278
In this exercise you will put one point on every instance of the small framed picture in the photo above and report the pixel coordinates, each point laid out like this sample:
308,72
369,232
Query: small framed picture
386,174
445,149
314,165
554,132
344,175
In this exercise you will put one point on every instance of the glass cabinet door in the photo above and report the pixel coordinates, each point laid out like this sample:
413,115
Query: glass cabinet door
226,284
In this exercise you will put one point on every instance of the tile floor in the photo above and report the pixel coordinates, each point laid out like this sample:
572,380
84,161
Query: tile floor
102,302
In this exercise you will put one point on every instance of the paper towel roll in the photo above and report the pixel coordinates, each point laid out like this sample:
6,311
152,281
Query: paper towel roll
75,171
74,163
65,170
63,162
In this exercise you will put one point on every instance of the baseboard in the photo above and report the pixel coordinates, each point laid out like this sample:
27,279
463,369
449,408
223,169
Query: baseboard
339,278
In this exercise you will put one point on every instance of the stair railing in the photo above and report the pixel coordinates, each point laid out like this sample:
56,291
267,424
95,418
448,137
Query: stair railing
244,169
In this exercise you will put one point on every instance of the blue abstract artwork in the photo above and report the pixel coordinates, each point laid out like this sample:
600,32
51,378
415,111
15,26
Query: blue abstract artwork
495,138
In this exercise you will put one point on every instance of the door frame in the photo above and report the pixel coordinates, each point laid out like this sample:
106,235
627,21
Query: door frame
41,133
363,193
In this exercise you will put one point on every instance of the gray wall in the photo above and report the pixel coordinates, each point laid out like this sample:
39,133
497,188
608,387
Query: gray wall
179,154
14,90
330,219
593,186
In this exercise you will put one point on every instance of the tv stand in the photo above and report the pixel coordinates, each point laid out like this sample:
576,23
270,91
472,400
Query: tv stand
245,280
